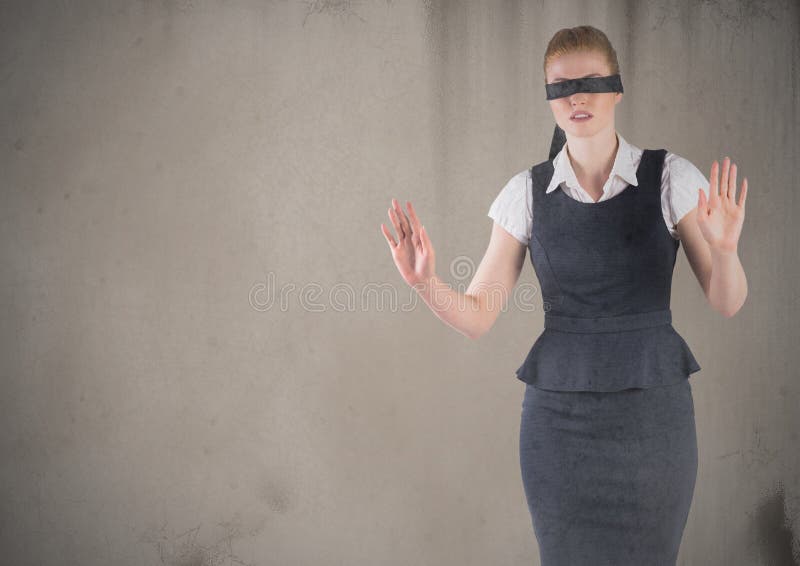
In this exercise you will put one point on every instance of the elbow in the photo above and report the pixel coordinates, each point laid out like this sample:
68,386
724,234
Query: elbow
474,335
481,323
727,308
729,313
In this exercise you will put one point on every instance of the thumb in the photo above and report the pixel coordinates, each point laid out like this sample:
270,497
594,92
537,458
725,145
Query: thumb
702,206
426,243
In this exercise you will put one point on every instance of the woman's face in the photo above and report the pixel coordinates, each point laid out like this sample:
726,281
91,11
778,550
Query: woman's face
599,104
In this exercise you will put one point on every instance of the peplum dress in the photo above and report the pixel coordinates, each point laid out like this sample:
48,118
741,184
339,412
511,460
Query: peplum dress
608,447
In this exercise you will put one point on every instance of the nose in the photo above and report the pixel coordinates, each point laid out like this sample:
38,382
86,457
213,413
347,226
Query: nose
577,99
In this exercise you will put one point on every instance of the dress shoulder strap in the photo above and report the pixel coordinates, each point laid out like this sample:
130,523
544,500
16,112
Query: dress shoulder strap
540,175
651,167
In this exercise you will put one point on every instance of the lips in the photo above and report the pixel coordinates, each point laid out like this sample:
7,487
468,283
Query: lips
578,112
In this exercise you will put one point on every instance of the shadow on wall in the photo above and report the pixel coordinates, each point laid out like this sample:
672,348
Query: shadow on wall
773,531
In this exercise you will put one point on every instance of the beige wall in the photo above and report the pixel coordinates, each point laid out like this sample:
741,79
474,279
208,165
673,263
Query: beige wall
161,161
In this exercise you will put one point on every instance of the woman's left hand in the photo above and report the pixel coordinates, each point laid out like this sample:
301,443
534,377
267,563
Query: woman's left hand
720,218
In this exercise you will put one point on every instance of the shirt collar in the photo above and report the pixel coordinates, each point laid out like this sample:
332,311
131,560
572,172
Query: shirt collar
623,166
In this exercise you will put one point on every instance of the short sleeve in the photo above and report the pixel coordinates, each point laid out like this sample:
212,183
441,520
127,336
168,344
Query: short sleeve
682,179
511,208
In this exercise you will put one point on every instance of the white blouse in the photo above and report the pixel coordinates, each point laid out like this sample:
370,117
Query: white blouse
513,210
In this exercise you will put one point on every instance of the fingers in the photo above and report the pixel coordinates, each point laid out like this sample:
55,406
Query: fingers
405,225
743,194
425,243
732,184
416,225
403,218
723,189
397,225
729,181
713,189
702,205
388,236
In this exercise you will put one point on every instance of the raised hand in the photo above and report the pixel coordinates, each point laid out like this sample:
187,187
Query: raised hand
413,252
720,218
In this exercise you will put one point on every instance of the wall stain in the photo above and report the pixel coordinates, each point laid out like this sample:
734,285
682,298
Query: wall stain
772,528
338,8
742,13
277,499
184,549
736,14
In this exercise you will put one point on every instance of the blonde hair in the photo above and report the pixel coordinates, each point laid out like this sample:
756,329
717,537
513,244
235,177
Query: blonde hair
580,38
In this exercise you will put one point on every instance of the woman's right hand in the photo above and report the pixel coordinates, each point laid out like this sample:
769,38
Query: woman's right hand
413,252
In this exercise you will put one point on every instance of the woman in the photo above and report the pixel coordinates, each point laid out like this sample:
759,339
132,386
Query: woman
608,448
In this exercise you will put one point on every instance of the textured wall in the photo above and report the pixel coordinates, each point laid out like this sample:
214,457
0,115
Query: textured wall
165,164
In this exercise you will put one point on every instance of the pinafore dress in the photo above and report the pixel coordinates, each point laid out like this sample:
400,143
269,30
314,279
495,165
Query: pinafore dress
608,448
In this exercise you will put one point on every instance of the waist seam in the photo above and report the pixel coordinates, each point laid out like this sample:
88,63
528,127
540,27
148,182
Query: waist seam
631,321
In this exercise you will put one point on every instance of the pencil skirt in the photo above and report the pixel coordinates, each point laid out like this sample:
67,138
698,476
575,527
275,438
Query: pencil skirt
609,476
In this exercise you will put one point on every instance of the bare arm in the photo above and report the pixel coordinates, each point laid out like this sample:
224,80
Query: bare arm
471,313
710,235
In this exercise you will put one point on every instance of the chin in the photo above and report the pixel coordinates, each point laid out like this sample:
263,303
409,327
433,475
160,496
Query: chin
580,130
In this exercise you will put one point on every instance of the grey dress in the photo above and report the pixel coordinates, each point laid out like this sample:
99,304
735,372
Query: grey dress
608,448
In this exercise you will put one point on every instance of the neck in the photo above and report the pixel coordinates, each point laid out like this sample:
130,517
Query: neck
593,158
